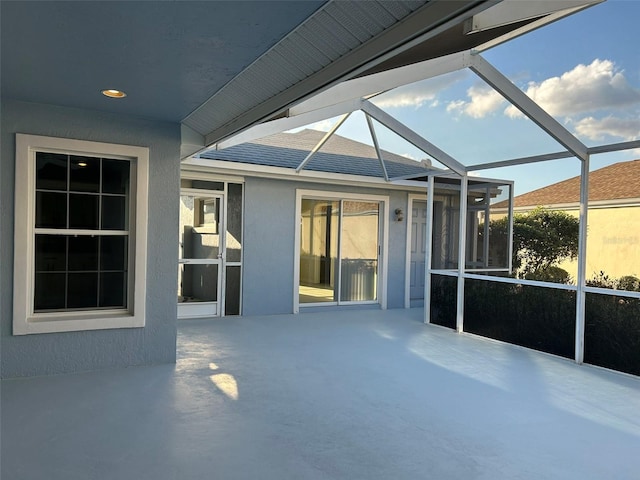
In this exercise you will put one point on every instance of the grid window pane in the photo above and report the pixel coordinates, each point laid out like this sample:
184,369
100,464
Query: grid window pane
74,270
83,253
82,290
113,253
113,287
115,176
114,213
84,174
83,211
51,210
51,171
49,291
51,253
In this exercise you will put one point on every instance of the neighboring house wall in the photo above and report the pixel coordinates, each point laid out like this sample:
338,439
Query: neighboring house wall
613,242
53,353
269,246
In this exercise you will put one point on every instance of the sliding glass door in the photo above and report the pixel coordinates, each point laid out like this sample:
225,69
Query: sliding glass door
339,251
319,250
359,251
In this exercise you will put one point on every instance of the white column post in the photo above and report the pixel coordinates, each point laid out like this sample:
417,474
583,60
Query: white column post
428,250
462,247
582,260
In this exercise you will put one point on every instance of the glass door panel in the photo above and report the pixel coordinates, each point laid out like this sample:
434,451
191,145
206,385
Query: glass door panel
319,250
199,227
198,283
201,255
359,253
234,223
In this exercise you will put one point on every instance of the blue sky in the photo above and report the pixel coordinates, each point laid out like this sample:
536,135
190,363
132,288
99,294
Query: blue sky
584,70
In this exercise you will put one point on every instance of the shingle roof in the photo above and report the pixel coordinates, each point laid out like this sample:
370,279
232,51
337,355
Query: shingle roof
337,155
616,182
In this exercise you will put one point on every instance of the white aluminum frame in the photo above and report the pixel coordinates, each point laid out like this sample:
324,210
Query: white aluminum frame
322,141
196,172
221,196
383,245
354,95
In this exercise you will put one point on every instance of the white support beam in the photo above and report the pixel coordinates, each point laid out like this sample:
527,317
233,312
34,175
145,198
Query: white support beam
513,11
510,237
438,172
462,253
569,7
272,127
522,102
347,96
377,147
322,142
380,82
520,161
428,247
614,147
582,262
412,137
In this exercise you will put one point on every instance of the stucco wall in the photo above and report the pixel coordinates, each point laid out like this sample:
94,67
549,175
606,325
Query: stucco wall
80,351
269,244
613,242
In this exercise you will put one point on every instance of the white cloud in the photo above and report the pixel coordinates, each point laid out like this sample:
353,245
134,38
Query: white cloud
598,129
409,156
419,93
585,88
322,125
456,106
483,101
406,99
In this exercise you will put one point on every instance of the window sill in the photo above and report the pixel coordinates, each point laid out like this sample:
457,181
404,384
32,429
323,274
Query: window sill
64,322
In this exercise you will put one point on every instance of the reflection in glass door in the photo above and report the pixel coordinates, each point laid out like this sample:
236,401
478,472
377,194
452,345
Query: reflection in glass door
319,251
201,254
339,248
359,251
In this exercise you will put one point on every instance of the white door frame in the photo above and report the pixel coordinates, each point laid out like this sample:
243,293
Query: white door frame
220,261
383,240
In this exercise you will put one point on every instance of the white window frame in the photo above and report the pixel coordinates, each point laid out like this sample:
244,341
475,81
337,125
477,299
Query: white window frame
383,200
25,320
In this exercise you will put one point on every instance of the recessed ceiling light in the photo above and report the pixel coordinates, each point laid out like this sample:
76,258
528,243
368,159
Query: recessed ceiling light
114,93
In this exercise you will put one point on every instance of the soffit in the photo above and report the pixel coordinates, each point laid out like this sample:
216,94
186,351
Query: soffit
338,42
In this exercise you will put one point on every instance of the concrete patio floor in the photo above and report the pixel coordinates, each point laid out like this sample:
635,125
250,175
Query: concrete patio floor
340,395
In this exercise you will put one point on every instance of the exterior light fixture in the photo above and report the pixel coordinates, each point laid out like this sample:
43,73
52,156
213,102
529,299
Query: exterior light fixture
399,215
111,93
82,164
